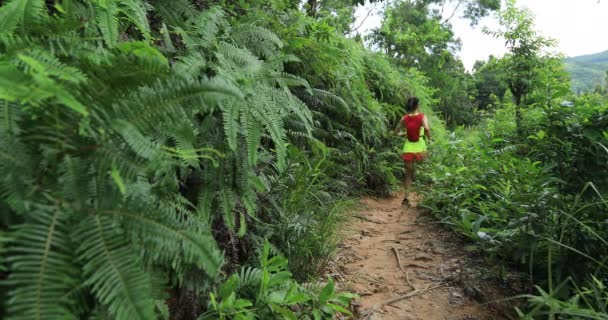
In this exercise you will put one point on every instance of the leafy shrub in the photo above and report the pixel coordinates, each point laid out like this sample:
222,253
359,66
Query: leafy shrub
538,204
269,292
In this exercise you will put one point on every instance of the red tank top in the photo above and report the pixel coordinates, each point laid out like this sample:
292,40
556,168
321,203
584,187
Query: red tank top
412,124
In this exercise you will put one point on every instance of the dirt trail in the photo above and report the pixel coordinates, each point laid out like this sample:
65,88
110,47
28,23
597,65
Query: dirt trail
435,271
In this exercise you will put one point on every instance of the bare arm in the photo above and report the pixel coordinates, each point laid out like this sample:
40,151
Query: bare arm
427,129
398,127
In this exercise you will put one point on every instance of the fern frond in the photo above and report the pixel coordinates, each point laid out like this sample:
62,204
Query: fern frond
42,268
249,277
226,200
259,40
271,120
74,181
207,25
331,99
167,42
107,21
114,270
168,100
291,105
230,114
136,11
286,80
24,13
235,58
140,144
174,12
170,239
204,205
38,85
253,136
191,64
18,165
40,62
507,149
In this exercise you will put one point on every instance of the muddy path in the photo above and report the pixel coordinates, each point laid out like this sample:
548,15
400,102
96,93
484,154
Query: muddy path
405,267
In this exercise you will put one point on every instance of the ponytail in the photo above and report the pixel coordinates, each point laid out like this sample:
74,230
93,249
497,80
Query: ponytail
412,104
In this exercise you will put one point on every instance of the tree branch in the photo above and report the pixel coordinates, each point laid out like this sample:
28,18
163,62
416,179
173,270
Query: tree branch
453,12
362,22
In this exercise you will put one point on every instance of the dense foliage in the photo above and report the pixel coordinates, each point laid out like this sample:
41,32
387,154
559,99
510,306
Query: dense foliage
533,193
150,149
196,159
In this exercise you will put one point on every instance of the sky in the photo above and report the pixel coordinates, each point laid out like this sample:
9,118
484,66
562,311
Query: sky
579,26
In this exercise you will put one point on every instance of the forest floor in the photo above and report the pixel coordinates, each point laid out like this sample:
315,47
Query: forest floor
404,267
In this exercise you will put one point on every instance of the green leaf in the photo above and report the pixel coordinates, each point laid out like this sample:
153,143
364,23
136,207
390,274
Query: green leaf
284,312
316,313
136,12
24,13
242,304
230,113
107,21
113,270
337,308
242,225
327,291
227,204
173,238
228,287
118,180
41,265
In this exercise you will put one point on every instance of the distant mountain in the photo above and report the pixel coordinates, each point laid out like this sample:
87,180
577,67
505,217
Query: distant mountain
587,70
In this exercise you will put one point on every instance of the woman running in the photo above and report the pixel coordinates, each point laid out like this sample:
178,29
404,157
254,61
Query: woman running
416,124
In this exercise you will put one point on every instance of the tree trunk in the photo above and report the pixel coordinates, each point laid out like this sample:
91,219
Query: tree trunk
518,115
311,8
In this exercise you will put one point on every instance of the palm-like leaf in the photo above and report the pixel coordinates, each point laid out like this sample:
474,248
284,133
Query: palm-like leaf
114,270
42,266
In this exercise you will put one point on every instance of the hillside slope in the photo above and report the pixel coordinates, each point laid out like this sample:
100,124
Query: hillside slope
587,70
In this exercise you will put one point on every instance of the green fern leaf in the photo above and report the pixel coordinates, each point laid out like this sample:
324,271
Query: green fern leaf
74,181
249,277
238,59
245,34
204,205
42,269
21,12
292,105
253,136
270,119
207,25
137,14
192,64
259,40
140,144
242,225
174,12
226,198
107,21
173,240
167,42
230,113
114,270
42,63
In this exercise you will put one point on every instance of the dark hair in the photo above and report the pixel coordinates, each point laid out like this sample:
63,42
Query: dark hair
412,104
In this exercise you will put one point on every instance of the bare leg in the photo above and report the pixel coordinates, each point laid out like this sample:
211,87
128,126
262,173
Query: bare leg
409,177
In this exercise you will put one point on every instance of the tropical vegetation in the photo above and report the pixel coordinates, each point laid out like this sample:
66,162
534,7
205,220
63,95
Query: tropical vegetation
186,159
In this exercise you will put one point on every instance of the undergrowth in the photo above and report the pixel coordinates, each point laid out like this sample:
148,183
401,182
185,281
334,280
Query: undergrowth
538,203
